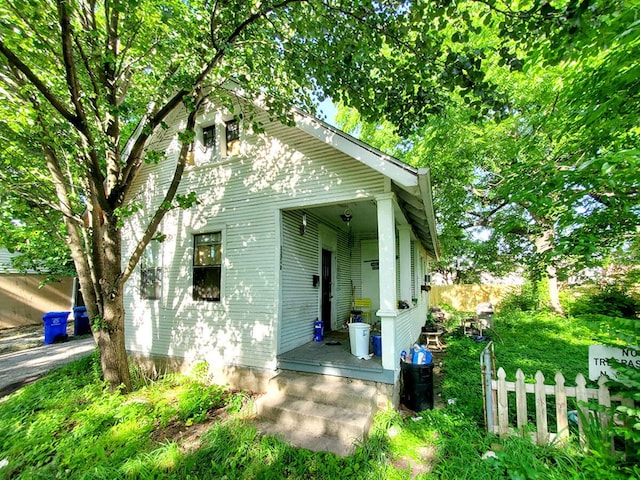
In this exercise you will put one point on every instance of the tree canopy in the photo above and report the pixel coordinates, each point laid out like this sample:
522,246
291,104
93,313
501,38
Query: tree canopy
553,181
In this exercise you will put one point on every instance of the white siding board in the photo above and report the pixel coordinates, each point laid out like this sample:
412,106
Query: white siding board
343,295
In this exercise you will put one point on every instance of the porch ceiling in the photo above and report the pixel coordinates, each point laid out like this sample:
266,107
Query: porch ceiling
365,219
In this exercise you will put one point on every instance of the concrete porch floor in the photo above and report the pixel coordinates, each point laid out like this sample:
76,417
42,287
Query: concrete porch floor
333,356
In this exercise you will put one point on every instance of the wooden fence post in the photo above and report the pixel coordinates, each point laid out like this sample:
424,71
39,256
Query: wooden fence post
582,399
562,423
503,403
542,430
604,400
521,401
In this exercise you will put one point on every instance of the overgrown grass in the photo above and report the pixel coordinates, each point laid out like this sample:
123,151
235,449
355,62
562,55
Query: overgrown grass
68,426
530,341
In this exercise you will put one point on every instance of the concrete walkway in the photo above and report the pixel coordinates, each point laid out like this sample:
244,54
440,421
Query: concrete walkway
21,368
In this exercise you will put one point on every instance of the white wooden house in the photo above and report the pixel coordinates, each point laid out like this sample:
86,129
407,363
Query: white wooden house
292,223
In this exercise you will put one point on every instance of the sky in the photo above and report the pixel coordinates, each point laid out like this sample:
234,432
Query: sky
328,111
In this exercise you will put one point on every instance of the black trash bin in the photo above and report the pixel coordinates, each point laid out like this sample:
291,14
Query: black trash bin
81,321
417,386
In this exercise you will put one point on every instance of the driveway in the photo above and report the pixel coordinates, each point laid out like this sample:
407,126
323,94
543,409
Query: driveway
19,368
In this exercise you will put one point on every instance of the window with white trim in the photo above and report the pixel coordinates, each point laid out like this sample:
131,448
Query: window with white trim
209,137
207,266
151,272
232,137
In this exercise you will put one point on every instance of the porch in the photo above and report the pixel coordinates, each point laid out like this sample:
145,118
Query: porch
331,256
333,357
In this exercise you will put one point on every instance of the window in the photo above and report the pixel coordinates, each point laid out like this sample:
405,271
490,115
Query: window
151,272
209,137
207,266
232,137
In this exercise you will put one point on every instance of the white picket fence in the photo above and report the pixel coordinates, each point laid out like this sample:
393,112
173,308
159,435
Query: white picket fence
497,410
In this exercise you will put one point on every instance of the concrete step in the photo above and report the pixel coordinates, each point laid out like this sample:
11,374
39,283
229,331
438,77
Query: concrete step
335,391
317,412
317,419
303,439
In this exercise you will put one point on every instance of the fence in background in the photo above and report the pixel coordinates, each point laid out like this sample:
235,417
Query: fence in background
465,298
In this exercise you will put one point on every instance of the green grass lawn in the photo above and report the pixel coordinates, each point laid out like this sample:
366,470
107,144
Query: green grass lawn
68,426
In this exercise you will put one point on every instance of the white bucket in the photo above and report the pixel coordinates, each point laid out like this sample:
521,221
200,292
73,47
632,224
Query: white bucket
359,338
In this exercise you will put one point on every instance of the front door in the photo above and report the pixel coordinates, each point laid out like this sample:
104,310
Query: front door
326,290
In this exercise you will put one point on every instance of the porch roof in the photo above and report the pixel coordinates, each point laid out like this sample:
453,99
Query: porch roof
412,186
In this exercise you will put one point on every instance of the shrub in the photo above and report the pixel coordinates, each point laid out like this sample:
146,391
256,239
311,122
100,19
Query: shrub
525,300
610,300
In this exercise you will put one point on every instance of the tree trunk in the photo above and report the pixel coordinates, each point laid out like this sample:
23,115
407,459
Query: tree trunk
110,337
554,294
544,243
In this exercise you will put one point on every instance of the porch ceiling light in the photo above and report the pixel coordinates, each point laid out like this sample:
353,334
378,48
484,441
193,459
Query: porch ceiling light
346,217
303,225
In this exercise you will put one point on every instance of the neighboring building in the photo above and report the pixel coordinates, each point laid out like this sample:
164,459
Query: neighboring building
292,224
24,298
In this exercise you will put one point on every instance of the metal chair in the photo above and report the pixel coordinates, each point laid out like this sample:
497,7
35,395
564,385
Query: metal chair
363,307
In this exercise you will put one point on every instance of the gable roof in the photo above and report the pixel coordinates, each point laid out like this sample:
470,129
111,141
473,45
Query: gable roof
411,185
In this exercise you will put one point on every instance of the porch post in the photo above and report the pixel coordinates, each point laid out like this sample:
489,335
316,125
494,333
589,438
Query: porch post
387,274
404,246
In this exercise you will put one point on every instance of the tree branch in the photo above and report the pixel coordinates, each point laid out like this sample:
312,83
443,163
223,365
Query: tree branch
113,168
165,205
75,91
71,76
94,82
15,61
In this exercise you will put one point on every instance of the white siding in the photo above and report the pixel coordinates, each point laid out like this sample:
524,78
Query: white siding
300,306
342,299
408,327
300,261
242,196
5,261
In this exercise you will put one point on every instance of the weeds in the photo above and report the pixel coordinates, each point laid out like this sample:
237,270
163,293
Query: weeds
68,424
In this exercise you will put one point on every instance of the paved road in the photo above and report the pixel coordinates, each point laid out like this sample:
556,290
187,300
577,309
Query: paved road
18,369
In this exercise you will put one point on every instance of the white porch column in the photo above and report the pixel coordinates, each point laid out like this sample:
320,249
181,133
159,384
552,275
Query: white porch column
387,274
404,246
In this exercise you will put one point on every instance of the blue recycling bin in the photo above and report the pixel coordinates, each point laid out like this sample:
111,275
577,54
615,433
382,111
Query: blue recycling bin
55,327
81,321
376,340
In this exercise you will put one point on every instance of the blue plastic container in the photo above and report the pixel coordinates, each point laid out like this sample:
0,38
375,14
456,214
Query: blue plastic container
318,330
376,340
80,321
55,327
421,355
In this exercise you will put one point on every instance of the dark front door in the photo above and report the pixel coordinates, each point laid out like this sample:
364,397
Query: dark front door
326,290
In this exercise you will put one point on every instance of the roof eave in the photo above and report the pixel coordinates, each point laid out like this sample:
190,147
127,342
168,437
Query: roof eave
424,180
391,167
